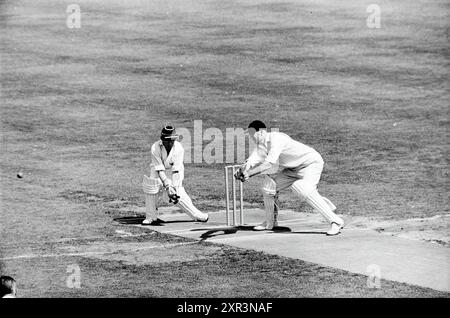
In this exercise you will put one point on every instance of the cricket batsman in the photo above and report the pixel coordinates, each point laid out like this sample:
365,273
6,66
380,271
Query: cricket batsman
296,165
167,172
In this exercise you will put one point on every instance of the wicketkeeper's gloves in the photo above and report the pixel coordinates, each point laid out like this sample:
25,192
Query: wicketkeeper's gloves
239,175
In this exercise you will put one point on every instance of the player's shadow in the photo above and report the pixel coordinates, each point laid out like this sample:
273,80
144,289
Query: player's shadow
281,229
234,229
130,219
139,219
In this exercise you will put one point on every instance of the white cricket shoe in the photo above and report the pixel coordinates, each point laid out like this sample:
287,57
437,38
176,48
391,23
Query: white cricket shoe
205,220
335,228
263,226
158,221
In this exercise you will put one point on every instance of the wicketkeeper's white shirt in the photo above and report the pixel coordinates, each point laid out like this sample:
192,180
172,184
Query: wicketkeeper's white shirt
282,150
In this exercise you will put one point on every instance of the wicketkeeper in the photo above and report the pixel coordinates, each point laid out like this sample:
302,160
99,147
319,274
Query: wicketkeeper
167,172
298,166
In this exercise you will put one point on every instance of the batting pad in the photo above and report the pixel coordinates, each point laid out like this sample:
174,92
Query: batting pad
269,187
151,211
269,207
151,185
275,210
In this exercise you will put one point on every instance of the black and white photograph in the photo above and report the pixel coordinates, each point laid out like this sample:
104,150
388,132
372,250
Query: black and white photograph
226,155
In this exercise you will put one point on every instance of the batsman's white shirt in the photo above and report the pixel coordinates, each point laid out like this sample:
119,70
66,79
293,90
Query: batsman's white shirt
286,152
161,160
168,162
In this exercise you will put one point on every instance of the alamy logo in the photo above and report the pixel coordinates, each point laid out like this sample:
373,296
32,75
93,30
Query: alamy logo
213,145
74,279
74,17
374,19
374,276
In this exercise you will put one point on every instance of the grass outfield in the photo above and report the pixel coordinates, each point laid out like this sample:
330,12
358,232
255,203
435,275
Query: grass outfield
81,107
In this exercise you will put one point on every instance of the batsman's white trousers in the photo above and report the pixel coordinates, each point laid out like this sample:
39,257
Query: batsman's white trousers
303,182
152,187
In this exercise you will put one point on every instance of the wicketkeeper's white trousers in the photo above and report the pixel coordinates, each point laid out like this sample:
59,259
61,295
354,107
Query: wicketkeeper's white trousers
303,182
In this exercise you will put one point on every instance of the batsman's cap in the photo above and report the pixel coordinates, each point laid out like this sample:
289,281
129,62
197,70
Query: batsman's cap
257,125
168,132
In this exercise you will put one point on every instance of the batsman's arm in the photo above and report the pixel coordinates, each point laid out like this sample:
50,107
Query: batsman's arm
164,179
176,179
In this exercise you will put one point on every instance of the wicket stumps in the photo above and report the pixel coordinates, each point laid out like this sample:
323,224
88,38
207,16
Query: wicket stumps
234,220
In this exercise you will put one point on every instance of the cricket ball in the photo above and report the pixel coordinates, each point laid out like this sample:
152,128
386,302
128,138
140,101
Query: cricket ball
20,175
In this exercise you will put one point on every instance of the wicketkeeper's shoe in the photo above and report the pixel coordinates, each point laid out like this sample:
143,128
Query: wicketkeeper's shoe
264,227
260,227
158,221
335,228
